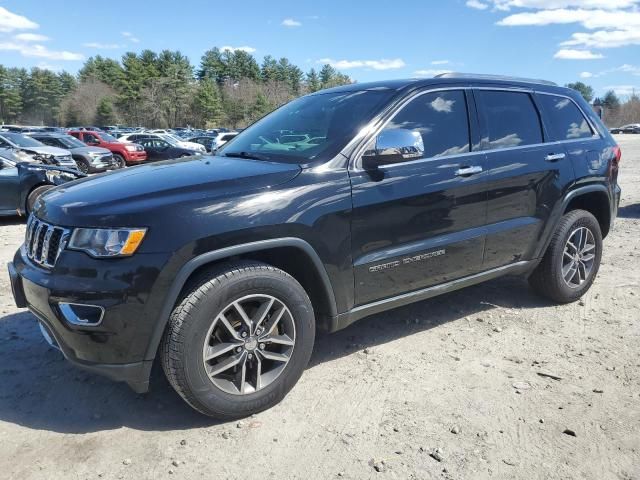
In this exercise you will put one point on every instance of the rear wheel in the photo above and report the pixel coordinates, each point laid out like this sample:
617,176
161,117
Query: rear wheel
239,340
34,195
83,166
572,259
119,160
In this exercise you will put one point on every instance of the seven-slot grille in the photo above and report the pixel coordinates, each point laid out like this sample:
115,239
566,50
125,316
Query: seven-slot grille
44,242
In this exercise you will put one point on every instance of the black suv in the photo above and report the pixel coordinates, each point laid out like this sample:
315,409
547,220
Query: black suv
338,205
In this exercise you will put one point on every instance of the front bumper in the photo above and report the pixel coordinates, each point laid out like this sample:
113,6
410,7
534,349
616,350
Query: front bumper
102,164
117,346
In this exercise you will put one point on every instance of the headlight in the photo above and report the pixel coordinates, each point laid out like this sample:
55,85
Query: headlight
100,242
130,148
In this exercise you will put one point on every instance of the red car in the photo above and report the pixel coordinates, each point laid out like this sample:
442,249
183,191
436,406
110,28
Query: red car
125,153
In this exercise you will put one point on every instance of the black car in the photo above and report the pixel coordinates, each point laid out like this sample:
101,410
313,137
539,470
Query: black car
207,141
393,192
89,159
22,183
631,128
158,149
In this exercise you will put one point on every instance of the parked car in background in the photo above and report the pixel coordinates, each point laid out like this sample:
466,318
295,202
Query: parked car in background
207,141
21,148
160,149
222,139
21,183
124,153
89,159
176,142
631,128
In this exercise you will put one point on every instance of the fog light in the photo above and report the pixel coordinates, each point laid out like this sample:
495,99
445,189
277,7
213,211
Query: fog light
81,314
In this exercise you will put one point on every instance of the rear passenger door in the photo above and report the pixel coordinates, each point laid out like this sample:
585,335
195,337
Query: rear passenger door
527,174
420,222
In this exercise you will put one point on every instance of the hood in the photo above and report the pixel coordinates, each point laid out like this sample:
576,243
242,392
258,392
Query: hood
41,167
87,150
44,150
138,196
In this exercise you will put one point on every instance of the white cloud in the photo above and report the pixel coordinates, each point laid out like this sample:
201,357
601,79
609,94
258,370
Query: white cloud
586,75
440,62
11,21
31,37
570,54
429,72
605,39
48,66
102,46
591,19
36,50
478,5
382,64
131,37
290,22
227,48
551,4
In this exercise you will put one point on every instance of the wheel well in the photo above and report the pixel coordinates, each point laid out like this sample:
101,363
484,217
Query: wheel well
596,203
296,263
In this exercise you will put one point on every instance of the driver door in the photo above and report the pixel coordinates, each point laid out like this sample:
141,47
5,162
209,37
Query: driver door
9,188
420,222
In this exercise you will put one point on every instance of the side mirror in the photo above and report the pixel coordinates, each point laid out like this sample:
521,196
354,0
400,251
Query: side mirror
394,146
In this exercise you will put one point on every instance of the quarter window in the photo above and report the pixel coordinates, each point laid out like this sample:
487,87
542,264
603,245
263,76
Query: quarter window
511,119
566,120
441,119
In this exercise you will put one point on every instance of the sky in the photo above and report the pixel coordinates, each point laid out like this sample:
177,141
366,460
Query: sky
595,41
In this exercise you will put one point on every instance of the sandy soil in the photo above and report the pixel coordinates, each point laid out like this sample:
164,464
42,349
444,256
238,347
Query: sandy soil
451,388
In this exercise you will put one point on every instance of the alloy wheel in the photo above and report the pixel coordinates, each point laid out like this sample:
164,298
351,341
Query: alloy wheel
249,344
578,257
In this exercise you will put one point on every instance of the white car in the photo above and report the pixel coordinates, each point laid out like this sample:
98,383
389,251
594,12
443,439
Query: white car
221,139
173,140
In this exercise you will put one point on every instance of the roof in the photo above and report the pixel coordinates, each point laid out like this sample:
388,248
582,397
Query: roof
448,79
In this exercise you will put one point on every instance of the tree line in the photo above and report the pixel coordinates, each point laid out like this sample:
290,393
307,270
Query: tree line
159,90
615,111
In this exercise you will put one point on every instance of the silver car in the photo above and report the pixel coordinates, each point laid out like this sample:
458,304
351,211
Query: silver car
21,148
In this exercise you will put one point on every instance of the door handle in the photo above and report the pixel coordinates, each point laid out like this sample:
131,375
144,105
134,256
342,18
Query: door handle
554,157
465,171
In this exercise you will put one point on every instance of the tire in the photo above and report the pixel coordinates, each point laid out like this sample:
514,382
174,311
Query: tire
34,195
548,280
120,160
195,327
83,166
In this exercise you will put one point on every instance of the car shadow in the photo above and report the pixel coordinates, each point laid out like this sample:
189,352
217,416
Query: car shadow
44,392
13,220
629,211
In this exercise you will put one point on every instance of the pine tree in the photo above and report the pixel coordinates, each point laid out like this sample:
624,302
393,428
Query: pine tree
313,81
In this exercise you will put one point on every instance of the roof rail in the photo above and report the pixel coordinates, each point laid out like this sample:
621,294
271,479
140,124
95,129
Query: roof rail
494,77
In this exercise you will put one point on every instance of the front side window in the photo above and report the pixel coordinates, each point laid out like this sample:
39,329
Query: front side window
511,119
440,118
566,120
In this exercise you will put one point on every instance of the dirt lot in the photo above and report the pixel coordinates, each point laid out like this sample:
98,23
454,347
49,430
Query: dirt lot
452,388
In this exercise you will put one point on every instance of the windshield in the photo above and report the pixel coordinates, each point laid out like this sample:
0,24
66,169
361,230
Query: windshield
108,138
70,142
21,140
169,138
308,127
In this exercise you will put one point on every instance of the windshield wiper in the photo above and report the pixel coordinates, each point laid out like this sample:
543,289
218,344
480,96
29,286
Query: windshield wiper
247,155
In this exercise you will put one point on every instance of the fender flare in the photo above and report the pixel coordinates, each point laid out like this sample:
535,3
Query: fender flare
188,268
557,215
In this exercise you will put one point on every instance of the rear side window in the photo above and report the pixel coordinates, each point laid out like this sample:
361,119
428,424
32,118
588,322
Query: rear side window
511,119
440,118
566,121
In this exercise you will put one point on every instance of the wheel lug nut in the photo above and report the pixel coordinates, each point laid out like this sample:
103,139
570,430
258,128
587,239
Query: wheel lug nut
243,334
259,331
250,356
262,345
238,349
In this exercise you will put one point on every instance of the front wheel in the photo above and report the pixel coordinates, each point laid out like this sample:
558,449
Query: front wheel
119,160
238,340
572,260
34,195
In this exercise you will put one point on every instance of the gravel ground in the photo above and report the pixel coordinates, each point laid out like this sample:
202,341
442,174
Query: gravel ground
487,382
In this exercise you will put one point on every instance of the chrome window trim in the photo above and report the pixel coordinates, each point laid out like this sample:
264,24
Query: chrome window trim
356,164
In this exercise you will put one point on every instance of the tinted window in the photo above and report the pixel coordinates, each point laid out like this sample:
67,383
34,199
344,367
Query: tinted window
441,118
565,118
511,119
